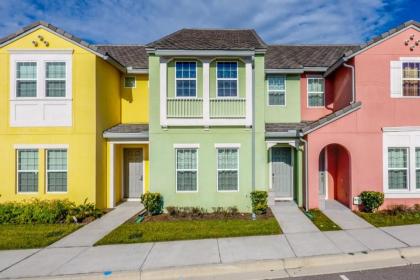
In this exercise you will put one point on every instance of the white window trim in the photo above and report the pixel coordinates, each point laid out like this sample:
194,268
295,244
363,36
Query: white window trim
401,137
228,79
316,92
277,91
55,79
57,170
407,79
186,79
25,79
41,60
135,82
227,146
388,190
176,169
25,171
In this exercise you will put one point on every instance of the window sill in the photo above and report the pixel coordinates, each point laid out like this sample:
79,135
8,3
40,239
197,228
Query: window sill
402,194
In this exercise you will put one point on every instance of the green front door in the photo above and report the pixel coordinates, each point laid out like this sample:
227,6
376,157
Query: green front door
282,172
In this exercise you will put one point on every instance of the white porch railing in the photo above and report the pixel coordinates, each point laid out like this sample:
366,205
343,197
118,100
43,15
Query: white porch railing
227,107
185,107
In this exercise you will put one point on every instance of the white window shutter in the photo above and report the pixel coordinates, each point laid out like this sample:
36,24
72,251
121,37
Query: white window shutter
396,75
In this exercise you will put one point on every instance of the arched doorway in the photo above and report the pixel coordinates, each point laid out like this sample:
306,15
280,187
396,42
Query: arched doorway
335,174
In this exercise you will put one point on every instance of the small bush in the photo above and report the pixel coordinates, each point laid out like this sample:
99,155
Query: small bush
226,212
371,200
185,211
46,212
153,202
396,210
259,202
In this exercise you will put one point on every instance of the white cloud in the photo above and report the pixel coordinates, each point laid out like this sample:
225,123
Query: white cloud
131,21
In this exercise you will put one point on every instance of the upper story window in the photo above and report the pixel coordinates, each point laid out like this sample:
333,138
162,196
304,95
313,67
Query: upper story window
40,88
26,79
227,79
129,82
411,79
186,79
55,79
41,79
316,92
276,90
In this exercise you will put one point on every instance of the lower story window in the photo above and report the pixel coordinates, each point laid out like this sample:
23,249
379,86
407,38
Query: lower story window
227,169
418,168
398,168
57,170
186,169
27,170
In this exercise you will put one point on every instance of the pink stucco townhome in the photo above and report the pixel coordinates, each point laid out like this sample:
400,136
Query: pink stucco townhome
367,136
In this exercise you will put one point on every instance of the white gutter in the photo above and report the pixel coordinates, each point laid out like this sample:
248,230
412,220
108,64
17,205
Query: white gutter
306,148
131,70
353,86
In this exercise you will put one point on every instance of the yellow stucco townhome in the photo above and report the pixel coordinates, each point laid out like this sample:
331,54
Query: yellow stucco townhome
73,118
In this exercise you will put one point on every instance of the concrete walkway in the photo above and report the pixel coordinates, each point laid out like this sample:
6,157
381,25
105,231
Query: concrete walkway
89,234
148,257
343,216
291,218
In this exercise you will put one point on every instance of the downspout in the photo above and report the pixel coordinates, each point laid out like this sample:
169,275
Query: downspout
306,147
353,87
253,124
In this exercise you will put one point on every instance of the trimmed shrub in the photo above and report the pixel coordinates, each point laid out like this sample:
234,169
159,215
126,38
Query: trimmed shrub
185,211
153,202
371,200
46,212
259,202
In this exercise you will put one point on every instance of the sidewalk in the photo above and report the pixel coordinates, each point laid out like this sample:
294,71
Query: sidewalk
148,257
94,231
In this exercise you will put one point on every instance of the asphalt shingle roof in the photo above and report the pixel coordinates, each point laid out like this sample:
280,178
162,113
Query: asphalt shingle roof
298,56
134,56
128,128
210,39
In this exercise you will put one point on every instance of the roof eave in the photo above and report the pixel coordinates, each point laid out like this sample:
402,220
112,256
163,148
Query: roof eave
131,70
126,136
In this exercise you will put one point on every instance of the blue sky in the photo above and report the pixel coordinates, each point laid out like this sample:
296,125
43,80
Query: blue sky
277,21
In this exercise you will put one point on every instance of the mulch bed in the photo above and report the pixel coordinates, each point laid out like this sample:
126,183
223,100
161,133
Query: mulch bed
205,216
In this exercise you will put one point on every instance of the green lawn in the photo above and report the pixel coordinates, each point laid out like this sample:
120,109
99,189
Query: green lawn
321,221
32,236
152,231
382,219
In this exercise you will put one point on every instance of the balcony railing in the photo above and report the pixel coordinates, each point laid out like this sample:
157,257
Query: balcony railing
185,107
227,107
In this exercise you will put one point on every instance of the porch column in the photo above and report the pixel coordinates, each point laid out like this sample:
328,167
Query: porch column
163,92
248,92
111,165
206,92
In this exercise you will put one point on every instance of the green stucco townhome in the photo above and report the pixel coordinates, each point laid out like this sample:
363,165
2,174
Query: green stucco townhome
209,106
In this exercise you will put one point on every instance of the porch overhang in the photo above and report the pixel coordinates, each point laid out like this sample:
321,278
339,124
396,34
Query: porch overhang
137,132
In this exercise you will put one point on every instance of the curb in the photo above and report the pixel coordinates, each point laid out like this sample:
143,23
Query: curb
269,269
291,267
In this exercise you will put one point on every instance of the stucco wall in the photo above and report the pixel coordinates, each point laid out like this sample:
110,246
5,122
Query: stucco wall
361,132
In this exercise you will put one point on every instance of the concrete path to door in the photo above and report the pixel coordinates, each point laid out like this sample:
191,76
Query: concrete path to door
89,234
343,216
291,218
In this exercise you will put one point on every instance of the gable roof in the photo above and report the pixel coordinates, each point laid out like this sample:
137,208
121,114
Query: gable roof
133,56
30,27
299,56
210,39
351,53
60,32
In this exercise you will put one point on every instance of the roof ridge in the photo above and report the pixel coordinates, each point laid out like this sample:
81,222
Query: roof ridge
218,29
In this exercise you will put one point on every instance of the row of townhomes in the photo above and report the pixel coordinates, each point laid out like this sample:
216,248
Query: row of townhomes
206,116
